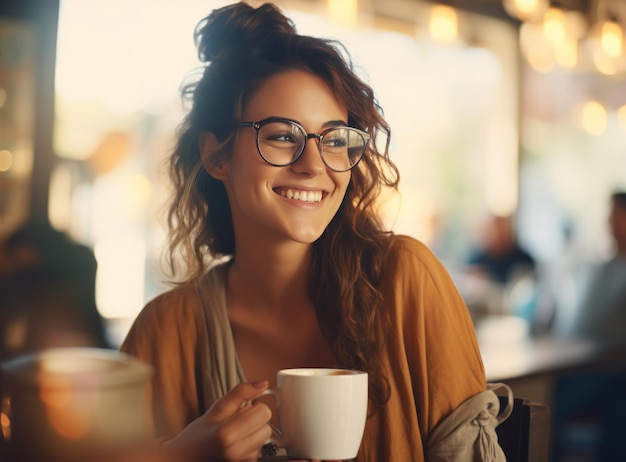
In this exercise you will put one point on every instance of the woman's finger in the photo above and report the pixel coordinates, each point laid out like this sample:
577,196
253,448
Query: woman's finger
232,402
243,440
249,424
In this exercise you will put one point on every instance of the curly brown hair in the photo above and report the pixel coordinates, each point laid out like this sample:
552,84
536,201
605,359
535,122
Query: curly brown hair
244,46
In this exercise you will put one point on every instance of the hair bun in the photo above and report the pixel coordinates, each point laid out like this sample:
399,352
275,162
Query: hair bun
238,26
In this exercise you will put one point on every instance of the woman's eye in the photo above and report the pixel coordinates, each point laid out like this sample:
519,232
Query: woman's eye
335,142
281,138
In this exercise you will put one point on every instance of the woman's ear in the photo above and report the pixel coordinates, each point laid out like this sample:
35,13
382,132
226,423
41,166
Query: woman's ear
208,144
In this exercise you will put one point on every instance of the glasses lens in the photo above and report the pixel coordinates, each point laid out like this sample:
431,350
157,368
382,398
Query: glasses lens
342,148
281,142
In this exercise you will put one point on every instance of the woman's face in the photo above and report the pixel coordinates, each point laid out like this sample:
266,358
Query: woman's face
262,196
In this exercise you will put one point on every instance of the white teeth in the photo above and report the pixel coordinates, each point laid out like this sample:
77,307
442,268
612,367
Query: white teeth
304,196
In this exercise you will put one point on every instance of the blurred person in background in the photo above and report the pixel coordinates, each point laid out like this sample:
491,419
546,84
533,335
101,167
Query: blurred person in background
499,274
47,293
589,406
499,257
601,314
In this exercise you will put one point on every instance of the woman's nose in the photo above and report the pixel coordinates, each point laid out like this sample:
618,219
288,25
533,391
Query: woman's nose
311,159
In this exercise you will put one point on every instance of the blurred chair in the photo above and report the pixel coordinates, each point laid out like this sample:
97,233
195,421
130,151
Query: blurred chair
525,435
588,409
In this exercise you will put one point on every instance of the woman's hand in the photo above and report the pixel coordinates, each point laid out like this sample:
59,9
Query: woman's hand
231,430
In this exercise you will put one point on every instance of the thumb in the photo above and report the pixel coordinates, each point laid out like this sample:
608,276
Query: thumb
236,398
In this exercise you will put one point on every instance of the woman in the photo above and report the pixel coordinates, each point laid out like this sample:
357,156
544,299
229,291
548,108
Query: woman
276,176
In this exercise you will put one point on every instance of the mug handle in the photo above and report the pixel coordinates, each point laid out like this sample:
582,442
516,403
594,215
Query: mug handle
278,438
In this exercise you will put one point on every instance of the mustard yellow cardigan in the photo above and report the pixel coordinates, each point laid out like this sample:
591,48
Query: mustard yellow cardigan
432,359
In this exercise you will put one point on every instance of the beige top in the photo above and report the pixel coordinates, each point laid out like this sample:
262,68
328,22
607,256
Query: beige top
431,358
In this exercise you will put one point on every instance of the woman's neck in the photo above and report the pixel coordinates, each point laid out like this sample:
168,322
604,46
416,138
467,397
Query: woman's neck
270,278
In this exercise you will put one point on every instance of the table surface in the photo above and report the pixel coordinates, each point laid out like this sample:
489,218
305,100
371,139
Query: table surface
510,353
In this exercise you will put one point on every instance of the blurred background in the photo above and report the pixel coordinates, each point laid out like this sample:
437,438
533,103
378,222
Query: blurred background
509,110
490,116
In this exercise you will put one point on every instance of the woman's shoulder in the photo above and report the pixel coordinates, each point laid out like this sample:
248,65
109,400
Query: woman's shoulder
161,321
409,251
413,267
405,242
174,302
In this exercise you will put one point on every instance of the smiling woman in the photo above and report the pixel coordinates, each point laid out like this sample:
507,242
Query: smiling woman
276,173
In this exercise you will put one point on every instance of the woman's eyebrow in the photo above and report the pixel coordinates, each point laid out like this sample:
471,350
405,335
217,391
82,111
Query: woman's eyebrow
335,123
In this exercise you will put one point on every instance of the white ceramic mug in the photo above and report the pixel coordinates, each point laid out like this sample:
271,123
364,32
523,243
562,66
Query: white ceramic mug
61,401
322,412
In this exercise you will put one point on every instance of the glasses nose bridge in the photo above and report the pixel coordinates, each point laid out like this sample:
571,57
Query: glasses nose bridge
313,135
309,136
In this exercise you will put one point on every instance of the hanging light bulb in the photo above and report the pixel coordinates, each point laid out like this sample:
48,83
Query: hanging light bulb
575,24
604,64
535,47
526,10
554,25
606,40
563,30
593,118
566,53
611,38
343,12
444,23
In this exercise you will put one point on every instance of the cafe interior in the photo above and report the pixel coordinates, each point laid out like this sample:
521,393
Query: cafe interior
506,115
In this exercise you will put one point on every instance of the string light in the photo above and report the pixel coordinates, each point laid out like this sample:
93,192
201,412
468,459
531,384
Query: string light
609,37
566,53
526,10
565,38
343,12
606,44
593,118
444,23
554,26
535,47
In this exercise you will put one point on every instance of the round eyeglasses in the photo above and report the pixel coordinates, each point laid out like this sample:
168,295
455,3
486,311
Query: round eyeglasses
281,142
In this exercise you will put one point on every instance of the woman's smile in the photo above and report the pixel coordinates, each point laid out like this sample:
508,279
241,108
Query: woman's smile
300,194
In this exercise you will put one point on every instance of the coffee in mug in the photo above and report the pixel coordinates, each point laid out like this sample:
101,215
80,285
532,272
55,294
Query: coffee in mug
322,412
